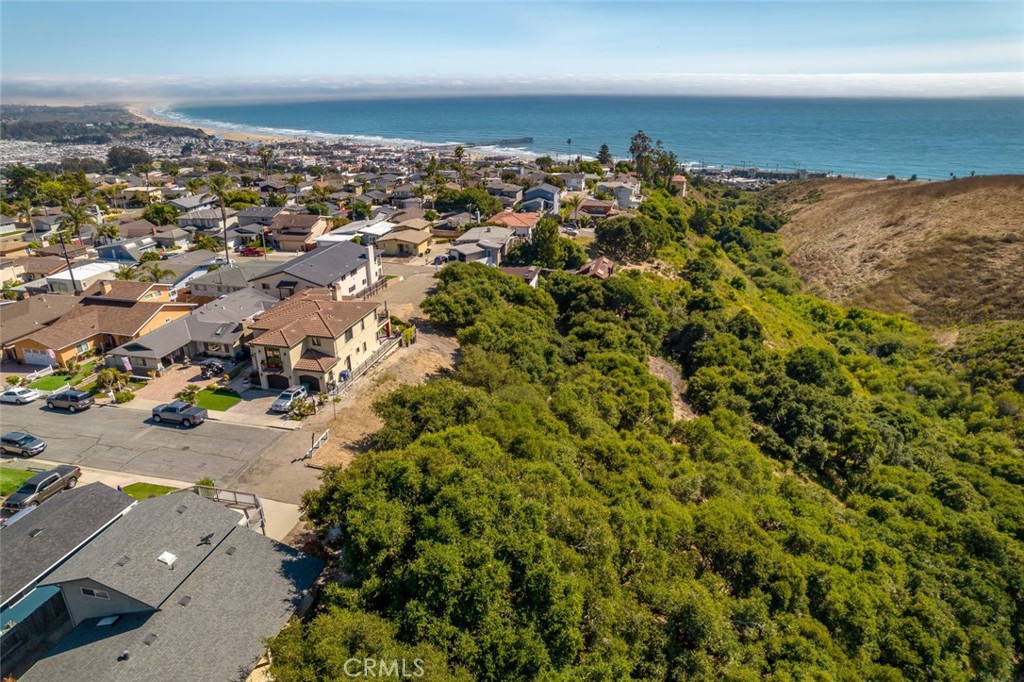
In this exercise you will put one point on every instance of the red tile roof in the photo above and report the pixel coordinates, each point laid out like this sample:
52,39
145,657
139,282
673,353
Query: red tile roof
312,312
509,219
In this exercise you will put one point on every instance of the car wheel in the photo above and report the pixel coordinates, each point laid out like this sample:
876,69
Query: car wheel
156,418
71,483
50,405
187,423
72,409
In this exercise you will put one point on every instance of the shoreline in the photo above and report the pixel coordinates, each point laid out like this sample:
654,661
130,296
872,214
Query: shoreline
143,112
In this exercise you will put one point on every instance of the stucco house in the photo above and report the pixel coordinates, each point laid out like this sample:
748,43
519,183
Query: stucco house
349,267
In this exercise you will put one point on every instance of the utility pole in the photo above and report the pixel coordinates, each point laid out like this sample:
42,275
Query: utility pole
71,271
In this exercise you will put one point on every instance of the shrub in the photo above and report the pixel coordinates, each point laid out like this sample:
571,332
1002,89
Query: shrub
13,381
124,396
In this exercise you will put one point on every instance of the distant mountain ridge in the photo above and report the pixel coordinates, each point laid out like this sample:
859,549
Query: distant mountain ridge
942,252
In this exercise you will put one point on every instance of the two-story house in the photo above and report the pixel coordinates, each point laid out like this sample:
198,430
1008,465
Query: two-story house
297,232
315,339
349,267
626,194
487,245
543,198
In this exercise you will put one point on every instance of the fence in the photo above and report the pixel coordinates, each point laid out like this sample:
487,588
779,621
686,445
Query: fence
59,389
247,503
316,444
44,372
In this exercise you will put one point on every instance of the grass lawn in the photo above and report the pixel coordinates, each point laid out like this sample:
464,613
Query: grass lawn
144,491
219,399
83,371
50,382
11,479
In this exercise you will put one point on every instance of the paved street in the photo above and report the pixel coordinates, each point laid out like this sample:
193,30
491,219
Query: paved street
126,440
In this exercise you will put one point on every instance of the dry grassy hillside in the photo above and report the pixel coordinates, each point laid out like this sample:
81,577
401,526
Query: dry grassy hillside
942,252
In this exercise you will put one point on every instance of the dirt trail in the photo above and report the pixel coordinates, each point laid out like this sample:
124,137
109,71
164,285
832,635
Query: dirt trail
663,369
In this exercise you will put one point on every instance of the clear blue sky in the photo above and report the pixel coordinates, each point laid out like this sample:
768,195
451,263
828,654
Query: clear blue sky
941,46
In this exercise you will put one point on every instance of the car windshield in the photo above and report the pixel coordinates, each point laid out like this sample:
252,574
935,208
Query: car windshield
25,440
287,395
27,489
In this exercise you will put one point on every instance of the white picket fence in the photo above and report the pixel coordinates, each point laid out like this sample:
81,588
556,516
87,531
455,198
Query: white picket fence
59,389
44,372
317,444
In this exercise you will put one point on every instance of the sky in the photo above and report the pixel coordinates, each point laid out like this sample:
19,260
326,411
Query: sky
216,51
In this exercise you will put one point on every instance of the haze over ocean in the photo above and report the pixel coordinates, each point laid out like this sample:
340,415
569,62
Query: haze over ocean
864,137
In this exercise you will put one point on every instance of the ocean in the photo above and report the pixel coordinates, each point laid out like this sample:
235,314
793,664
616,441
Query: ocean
930,138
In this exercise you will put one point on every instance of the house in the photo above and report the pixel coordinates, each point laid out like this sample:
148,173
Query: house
43,227
258,215
507,193
13,248
405,243
79,276
374,231
69,250
127,250
172,239
521,223
174,590
107,315
486,244
28,315
137,228
208,219
626,194
679,182
39,267
215,329
530,275
574,182
194,202
294,232
543,198
600,268
227,278
11,271
33,547
597,207
350,267
316,339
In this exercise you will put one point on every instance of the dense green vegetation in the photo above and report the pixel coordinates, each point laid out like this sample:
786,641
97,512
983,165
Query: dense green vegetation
847,506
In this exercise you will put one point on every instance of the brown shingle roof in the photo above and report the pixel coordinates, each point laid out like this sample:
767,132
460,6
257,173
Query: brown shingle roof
41,265
312,312
315,361
121,290
23,317
92,317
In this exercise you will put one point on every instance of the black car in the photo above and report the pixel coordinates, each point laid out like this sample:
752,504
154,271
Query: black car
70,400
24,444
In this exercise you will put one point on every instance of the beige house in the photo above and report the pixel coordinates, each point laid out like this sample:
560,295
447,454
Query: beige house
312,338
297,232
406,243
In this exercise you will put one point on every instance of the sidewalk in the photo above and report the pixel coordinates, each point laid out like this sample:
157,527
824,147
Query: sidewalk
281,517
266,422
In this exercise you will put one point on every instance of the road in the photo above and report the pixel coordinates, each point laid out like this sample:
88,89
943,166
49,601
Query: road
118,439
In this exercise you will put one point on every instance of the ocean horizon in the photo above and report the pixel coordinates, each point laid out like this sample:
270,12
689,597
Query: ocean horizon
929,138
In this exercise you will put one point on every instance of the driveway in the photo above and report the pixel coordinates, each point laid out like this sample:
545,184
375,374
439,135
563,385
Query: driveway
163,388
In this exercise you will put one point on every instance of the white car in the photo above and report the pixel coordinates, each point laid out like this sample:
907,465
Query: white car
287,397
19,396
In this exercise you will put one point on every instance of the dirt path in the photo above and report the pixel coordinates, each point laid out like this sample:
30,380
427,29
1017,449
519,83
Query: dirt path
663,369
356,422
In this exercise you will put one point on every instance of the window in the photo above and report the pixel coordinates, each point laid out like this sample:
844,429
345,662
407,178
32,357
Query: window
316,341
82,347
96,594
362,324
364,346
265,285
348,336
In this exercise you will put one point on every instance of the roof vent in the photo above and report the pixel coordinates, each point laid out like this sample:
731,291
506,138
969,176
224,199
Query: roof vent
181,509
167,558
185,601
123,560
149,639
35,532
231,550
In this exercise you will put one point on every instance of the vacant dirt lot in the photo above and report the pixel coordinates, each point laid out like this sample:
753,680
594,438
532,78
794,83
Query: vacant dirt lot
942,252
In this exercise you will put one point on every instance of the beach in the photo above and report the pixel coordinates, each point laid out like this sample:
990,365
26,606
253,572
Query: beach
143,112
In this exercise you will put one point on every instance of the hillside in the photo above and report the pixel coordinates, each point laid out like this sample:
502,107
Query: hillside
942,252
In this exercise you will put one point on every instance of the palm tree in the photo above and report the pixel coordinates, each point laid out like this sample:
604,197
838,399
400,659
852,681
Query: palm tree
193,185
219,185
25,211
574,202
153,272
569,142
266,155
75,217
294,180
107,231
125,273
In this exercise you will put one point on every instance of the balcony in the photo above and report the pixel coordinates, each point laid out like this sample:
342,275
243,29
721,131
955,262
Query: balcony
271,367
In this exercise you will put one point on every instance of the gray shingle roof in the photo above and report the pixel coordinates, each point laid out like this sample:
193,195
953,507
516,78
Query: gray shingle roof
66,521
324,265
235,601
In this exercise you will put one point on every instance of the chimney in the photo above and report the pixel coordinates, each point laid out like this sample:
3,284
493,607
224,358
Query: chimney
336,291
106,286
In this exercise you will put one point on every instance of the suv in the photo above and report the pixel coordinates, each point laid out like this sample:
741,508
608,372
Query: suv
23,444
42,487
70,400
287,397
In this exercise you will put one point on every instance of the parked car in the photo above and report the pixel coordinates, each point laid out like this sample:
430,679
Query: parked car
252,251
179,412
221,260
287,397
440,260
42,487
70,400
19,396
24,444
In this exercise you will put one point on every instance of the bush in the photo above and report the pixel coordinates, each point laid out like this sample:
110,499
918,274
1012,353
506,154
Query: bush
124,396
13,381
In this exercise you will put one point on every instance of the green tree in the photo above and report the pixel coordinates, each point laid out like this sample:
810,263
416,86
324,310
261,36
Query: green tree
604,156
160,214
360,210
153,272
641,150
220,186
189,394
75,217
125,272
121,158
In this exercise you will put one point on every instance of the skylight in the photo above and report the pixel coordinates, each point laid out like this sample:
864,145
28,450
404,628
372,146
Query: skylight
104,622
167,558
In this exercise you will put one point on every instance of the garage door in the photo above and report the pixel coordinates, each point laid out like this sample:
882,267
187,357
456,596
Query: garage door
38,357
277,381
